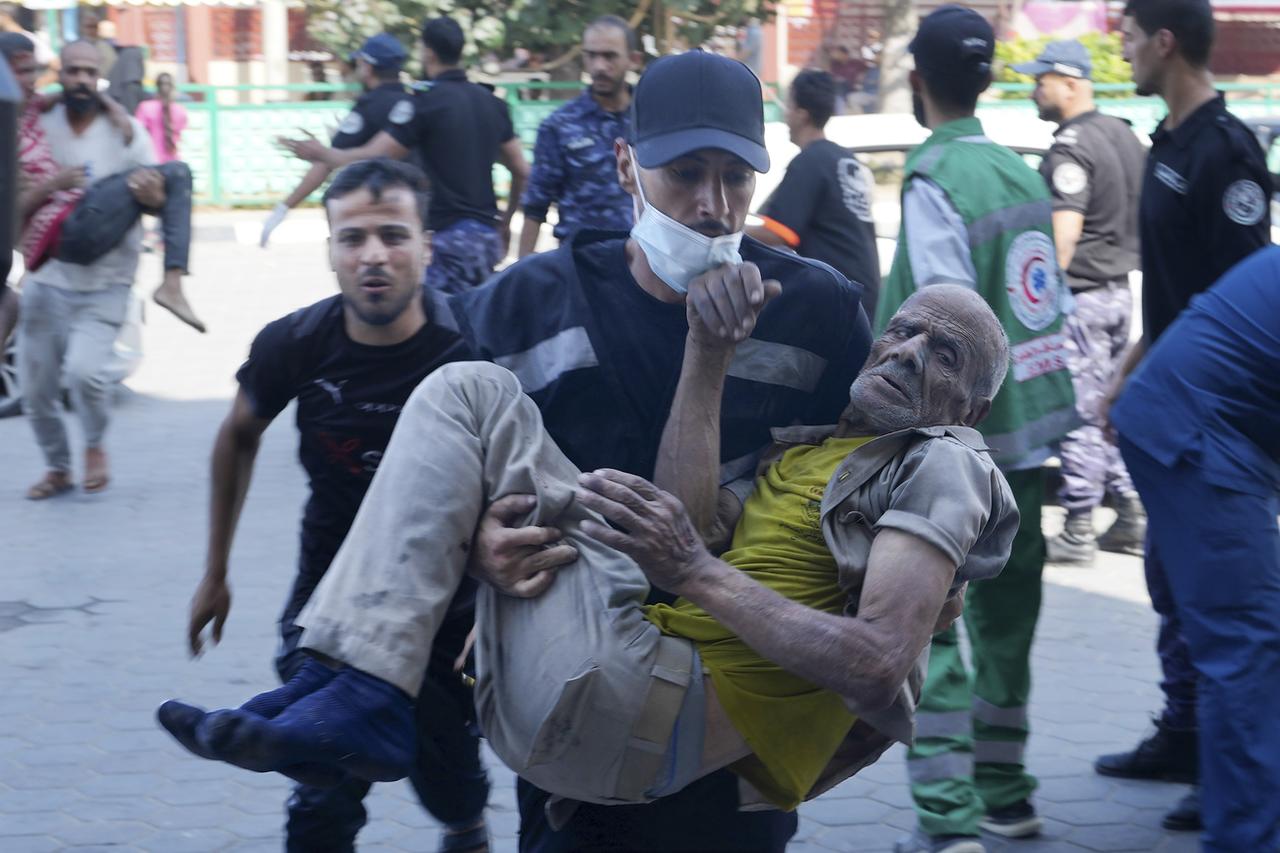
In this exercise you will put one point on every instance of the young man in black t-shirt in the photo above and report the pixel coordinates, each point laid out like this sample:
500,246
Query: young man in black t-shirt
350,362
822,208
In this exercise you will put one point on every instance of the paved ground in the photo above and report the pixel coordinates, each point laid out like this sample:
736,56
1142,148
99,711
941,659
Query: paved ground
95,589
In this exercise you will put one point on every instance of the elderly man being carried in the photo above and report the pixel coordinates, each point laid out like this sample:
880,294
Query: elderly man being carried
793,658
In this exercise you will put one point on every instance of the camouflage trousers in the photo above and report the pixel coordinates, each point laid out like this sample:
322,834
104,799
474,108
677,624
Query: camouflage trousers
463,256
1097,336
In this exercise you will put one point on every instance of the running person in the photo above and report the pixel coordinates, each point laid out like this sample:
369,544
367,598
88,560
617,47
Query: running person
383,101
350,362
458,129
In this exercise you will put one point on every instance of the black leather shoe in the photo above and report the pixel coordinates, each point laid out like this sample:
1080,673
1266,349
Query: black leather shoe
1185,816
1168,755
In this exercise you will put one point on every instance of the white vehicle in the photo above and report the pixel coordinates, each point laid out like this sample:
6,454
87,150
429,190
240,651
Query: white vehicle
124,360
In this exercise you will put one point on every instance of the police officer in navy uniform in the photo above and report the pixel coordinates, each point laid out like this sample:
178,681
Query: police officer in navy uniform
1204,208
573,163
459,129
385,100
1094,173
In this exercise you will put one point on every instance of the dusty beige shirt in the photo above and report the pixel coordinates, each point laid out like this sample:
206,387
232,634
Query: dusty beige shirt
937,483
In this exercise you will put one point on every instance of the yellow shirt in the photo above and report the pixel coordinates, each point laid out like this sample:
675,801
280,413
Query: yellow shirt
792,727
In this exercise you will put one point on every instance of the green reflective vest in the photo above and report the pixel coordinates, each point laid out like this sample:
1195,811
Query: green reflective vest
1006,211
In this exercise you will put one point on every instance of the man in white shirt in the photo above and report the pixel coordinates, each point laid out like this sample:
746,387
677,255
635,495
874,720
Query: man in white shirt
72,313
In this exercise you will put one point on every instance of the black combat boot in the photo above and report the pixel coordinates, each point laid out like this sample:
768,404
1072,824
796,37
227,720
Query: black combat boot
1185,816
1077,544
1168,755
1128,532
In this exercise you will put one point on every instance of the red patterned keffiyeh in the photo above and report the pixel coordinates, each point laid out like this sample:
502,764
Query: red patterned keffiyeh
35,160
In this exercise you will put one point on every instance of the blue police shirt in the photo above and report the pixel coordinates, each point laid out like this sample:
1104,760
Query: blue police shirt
575,169
1209,390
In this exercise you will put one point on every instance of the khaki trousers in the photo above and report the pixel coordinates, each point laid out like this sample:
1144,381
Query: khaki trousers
566,682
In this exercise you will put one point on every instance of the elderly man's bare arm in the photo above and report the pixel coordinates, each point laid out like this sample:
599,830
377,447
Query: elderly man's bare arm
722,308
864,658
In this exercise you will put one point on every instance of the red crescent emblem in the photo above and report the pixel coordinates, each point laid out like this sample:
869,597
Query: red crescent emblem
1026,275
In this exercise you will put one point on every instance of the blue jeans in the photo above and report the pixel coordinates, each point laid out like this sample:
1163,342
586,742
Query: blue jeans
1220,551
449,779
108,210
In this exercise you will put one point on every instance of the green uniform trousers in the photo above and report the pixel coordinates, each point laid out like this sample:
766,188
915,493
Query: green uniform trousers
971,731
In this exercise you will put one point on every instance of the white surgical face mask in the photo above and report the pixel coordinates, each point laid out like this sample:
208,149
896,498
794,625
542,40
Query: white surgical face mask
676,253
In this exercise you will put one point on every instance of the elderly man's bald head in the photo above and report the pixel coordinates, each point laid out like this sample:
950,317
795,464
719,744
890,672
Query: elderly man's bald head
940,361
969,309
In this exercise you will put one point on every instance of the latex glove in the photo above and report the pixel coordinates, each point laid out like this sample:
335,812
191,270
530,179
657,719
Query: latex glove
278,213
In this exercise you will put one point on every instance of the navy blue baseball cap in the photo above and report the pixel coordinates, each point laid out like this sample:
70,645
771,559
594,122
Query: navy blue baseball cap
1068,58
954,40
382,51
698,100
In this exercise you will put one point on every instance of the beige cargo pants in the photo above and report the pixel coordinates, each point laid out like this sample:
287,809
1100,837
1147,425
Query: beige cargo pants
576,691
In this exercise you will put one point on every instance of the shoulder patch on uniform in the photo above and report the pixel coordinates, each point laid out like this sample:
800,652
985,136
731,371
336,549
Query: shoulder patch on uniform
1070,178
1244,202
352,124
401,112
1070,136
421,85
1031,280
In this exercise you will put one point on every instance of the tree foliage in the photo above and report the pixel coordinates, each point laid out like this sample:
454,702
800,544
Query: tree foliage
551,27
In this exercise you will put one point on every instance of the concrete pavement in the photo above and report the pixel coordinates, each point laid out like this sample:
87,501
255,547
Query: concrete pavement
93,602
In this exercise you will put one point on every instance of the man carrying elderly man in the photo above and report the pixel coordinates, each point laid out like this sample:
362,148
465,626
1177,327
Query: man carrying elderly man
793,659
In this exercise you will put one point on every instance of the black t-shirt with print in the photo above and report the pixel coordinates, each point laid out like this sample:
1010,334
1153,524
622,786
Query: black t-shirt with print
349,397
825,198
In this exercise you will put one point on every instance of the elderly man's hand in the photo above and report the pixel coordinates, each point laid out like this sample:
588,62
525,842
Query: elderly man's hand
519,561
724,303
650,526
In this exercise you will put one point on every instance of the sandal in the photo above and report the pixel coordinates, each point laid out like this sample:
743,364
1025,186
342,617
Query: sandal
53,483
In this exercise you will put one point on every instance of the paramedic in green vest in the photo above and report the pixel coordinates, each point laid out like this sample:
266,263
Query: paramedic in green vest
974,213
